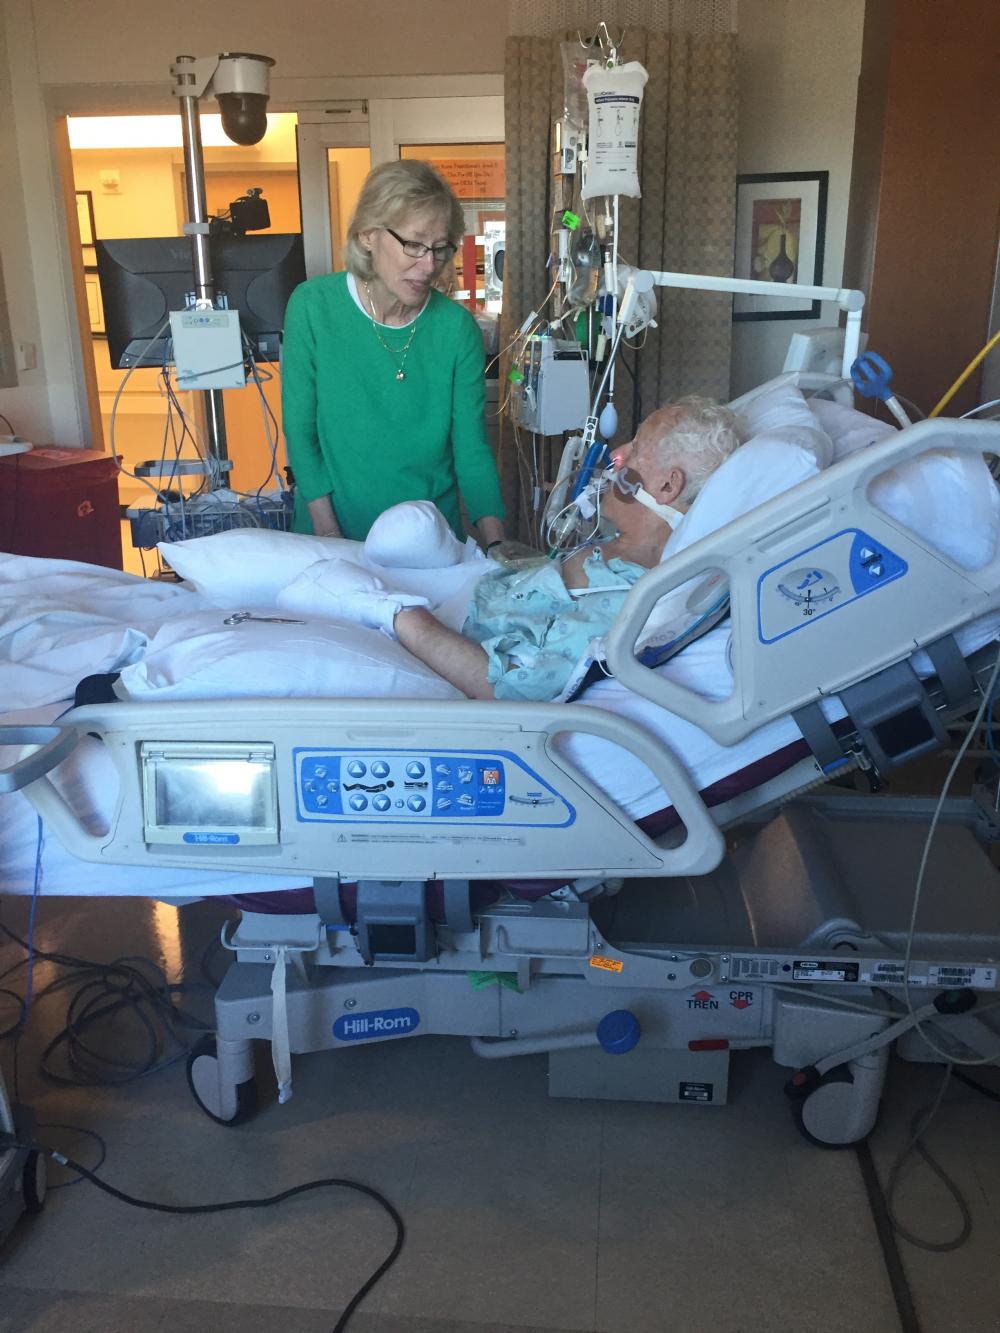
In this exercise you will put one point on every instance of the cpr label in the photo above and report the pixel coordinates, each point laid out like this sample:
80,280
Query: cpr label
377,1025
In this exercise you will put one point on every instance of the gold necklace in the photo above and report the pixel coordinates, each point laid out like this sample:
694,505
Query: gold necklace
400,373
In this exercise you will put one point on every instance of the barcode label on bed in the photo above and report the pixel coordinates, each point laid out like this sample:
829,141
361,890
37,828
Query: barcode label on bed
948,974
754,967
882,974
943,976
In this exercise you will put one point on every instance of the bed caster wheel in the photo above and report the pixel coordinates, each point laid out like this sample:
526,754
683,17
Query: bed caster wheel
226,1104
837,1109
34,1181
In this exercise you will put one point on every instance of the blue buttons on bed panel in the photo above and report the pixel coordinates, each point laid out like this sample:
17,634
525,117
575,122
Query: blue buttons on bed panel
872,564
400,786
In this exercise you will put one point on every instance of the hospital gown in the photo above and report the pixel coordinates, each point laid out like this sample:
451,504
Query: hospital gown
535,631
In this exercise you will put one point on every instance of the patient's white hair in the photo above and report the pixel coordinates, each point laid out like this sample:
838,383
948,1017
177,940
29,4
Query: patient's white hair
703,439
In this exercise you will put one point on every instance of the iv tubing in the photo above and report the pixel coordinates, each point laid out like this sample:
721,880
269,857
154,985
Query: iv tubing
935,411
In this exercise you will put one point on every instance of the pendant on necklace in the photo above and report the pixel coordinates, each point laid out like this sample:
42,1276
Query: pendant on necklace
400,375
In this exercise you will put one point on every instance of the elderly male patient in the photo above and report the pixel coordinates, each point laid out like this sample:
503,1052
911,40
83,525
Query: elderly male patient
528,626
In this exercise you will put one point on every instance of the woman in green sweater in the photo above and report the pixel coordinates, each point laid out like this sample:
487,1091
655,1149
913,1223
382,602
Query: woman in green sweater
383,393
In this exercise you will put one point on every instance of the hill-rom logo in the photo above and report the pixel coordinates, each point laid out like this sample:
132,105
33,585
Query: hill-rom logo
376,1025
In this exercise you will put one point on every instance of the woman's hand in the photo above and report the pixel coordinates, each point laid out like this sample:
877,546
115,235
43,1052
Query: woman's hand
490,530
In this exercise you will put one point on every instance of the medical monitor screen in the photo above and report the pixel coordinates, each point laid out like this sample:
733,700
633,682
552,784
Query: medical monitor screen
143,279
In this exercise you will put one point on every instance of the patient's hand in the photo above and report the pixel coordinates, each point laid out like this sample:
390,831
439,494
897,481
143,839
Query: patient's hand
572,568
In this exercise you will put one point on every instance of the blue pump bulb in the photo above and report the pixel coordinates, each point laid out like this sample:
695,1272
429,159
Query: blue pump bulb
608,422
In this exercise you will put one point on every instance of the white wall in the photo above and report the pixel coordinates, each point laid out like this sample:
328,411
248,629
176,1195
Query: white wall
799,65
107,41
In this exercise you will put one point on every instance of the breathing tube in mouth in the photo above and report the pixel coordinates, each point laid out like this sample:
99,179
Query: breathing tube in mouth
628,486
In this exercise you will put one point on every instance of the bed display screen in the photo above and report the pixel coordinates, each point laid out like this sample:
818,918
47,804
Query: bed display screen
204,795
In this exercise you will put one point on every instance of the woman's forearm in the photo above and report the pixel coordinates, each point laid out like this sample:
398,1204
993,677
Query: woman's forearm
324,519
490,529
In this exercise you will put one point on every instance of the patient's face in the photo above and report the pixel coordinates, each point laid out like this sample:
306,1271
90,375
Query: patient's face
645,454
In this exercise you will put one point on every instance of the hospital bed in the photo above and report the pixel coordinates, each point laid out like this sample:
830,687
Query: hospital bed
456,866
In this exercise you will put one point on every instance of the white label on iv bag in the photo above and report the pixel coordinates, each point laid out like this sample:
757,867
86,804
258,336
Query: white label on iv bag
614,97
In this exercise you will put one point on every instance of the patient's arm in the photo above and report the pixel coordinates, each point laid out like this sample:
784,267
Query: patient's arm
459,660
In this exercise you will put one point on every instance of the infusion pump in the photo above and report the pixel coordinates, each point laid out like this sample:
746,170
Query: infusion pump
553,395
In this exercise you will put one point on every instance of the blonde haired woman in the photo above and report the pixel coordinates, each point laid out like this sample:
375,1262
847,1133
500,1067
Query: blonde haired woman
383,393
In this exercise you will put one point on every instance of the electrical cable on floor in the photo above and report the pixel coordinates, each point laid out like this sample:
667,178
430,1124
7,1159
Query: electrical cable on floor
895,1270
104,991
992,1093
196,1209
109,989
102,1149
916,1145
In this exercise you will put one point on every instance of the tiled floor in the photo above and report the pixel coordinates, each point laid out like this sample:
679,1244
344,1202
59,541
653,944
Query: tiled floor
523,1213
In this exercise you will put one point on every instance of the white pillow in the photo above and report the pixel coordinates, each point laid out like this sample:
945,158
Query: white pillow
758,471
413,535
948,499
849,429
198,657
780,412
248,567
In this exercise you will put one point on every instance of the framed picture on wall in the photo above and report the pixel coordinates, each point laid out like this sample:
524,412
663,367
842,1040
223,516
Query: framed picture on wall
95,307
85,216
780,234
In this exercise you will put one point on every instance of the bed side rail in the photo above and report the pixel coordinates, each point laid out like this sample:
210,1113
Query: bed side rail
420,759
825,588
54,745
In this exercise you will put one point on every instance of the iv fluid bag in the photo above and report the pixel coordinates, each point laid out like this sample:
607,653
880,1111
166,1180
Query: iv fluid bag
614,97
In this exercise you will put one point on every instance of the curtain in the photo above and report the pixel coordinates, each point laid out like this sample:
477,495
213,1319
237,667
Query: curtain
683,222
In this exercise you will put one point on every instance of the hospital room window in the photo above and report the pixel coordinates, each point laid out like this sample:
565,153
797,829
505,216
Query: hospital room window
476,172
128,174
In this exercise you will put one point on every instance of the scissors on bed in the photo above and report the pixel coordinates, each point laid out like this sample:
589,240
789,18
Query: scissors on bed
239,617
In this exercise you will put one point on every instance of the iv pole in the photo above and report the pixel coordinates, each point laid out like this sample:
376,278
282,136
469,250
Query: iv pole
240,82
197,227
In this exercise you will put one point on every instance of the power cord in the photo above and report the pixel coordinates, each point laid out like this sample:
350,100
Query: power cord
134,987
8,1141
918,1127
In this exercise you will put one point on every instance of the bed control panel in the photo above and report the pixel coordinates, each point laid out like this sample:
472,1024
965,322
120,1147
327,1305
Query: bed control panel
394,786
822,579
